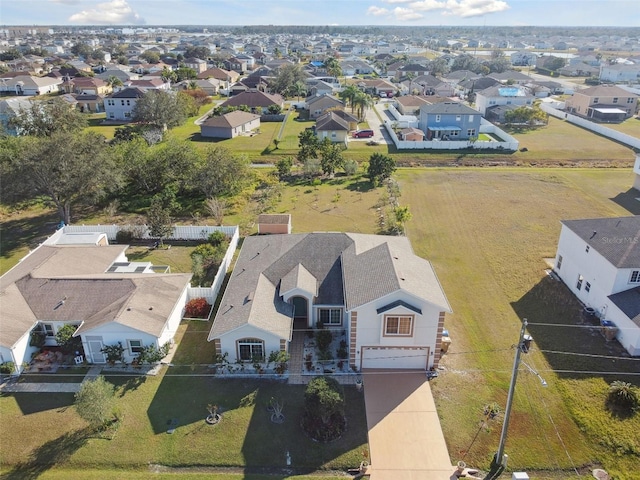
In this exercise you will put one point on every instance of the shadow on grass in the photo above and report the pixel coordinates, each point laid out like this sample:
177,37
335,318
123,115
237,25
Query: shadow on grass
37,402
49,455
26,231
568,331
629,200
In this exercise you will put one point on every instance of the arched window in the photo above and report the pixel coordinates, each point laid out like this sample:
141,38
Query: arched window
250,348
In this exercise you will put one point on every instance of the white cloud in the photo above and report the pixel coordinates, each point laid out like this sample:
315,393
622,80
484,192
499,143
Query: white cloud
427,5
397,1
115,12
66,2
377,11
474,8
406,14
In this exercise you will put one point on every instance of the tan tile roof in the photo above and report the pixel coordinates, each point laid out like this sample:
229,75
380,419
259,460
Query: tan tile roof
274,218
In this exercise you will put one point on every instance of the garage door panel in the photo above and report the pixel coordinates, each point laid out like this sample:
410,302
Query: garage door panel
395,357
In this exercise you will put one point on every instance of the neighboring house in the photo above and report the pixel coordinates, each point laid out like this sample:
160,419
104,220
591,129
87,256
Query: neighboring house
410,104
230,125
523,58
86,85
146,84
317,87
319,105
393,318
88,103
227,76
120,105
352,67
11,108
502,95
83,282
196,64
377,87
607,103
211,86
466,87
599,261
511,77
412,135
270,223
28,85
619,73
258,102
449,121
122,75
335,125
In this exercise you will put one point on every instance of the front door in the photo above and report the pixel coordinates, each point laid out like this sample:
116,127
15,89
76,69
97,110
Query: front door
95,347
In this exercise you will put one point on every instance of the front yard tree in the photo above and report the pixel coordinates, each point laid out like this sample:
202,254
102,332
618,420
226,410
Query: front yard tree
66,168
323,417
221,173
330,157
309,145
44,118
380,168
160,109
94,401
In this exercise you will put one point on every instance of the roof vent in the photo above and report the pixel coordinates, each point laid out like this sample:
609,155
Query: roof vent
150,308
593,234
128,309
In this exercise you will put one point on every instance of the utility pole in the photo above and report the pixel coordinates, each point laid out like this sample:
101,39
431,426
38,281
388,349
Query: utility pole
522,347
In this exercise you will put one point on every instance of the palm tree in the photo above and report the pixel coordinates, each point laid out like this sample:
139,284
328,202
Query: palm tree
361,101
333,67
298,89
349,94
114,81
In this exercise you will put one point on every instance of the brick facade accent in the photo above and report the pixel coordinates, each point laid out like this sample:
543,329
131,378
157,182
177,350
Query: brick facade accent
438,352
352,339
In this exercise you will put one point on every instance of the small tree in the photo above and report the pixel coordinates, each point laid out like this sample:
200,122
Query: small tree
197,308
215,207
94,401
380,168
114,353
323,416
66,340
624,395
284,166
159,220
153,354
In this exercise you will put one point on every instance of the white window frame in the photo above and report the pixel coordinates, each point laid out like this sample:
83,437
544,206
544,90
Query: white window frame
438,118
48,329
587,287
252,343
634,277
135,348
579,283
389,326
332,315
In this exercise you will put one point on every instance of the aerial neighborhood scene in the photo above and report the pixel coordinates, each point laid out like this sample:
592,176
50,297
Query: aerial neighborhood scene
385,239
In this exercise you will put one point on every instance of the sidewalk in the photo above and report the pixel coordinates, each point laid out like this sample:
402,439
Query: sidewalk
11,386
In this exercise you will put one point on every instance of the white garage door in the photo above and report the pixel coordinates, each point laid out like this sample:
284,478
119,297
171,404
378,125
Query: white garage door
395,357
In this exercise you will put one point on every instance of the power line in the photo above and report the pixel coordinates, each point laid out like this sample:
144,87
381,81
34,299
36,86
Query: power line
637,359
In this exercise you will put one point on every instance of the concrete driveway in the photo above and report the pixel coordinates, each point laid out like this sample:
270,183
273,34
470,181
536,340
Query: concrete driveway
405,437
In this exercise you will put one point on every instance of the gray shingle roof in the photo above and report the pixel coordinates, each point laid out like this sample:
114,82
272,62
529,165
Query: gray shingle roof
348,269
231,119
448,108
617,239
629,302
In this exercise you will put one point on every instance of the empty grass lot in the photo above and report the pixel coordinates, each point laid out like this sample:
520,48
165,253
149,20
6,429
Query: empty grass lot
631,126
487,233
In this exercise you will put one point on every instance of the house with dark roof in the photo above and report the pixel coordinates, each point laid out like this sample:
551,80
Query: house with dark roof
82,281
502,95
119,106
384,299
599,261
335,125
230,125
319,104
449,121
259,102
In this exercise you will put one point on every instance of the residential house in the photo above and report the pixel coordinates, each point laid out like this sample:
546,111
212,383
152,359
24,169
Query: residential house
636,170
428,85
146,84
258,102
227,76
82,281
281,283
449,121
415,69
230,125
599,261
523,58
28,85
410,104
353,66
378,87
620,73
411,135
318,105
335,125
211,86
605,103
502,95
10,108
119,73
119,106
86,85
196,64
469,86
88,103
317,87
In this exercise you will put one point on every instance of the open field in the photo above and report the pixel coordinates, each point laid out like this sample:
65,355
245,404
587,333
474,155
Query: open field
631,126
487,233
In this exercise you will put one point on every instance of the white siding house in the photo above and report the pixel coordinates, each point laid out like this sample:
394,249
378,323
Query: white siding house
119,106
636,170
599,260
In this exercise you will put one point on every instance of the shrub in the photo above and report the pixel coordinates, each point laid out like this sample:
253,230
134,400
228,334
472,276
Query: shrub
152,354
323,339
38,338
65,339
342,351
114,353
94,401
217,238
323,417
7,367
624,395
124,236
350,167
197,308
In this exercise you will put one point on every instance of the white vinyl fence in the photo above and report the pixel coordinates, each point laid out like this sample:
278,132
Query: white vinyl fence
594,127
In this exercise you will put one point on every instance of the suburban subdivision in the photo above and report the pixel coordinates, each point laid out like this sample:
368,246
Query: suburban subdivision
370,251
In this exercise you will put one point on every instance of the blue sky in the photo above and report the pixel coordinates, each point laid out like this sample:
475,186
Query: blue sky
321,12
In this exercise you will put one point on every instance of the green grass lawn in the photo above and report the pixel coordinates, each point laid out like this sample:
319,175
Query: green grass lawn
47,432
487,233
631,126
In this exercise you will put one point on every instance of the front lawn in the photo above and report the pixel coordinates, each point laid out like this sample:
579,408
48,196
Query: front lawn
36,425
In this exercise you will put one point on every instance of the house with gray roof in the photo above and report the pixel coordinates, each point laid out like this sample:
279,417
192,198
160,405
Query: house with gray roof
599,261
386,300
449,121
82,281
230,125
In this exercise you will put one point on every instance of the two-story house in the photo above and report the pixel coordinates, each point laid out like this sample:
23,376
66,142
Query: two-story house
449,121
119,106
386,299
599,261
605,103
499,95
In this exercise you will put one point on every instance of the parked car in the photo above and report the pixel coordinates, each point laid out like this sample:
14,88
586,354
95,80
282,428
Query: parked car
363,134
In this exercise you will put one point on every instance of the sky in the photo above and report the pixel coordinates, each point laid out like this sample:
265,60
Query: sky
623,13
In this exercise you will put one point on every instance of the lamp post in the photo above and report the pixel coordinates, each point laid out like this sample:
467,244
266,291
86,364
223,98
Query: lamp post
523,347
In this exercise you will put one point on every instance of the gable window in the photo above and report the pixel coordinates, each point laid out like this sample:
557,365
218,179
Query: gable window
330,316
47,329
396,325
635,277
580,280
135,346
559,264
250,348
615,99
122,102
630,100
438,117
